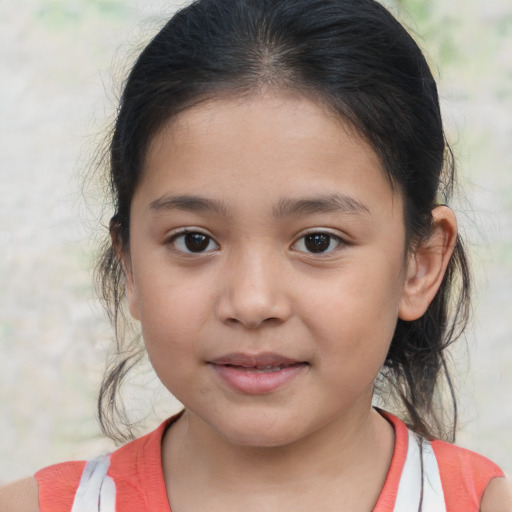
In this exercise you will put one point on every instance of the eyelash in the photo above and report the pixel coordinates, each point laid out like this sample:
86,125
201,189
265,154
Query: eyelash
174,239
331,237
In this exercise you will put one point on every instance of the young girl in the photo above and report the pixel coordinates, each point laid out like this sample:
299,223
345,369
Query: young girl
278,172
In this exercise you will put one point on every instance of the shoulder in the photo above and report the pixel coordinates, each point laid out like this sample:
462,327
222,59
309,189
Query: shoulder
21,496
456,461
497,496
458,458
58,484
466,476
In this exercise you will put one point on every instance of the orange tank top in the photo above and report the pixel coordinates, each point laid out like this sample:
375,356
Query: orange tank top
445,477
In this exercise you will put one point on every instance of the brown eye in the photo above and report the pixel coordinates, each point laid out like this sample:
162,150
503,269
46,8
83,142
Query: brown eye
196,242
317,243
193,242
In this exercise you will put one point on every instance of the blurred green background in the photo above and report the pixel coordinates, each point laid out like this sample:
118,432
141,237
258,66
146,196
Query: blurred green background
62,62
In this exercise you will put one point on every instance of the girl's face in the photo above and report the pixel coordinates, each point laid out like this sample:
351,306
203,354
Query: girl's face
266,267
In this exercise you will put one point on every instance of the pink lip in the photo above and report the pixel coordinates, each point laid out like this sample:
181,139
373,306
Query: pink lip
256,374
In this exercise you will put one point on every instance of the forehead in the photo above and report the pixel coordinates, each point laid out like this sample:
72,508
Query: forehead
277,141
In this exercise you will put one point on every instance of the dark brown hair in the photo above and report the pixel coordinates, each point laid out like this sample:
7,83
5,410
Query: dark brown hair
354,57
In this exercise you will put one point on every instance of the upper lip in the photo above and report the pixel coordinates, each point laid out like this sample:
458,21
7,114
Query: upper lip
254,360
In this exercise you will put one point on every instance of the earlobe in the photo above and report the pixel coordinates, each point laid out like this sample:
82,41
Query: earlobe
427,265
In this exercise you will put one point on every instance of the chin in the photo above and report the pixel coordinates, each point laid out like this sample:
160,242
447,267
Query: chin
260,432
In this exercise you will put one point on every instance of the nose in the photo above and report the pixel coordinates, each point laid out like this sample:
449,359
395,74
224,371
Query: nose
253,292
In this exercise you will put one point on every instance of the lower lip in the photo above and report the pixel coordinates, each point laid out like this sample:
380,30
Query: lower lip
253,382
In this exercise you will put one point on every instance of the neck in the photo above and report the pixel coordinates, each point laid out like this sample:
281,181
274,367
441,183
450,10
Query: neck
342,453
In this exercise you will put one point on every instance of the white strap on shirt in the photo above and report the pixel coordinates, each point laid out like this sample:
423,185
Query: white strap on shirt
411,482
97,491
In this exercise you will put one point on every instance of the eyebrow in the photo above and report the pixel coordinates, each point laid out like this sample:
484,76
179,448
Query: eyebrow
322,204
189,204
284,208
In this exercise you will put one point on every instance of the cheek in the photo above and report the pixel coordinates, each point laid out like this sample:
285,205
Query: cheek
171,320
172,311
360,297
355,316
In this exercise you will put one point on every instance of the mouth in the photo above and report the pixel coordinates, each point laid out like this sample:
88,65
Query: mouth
263,369
257,374
266,360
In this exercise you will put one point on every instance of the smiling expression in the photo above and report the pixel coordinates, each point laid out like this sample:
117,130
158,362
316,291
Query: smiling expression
266,266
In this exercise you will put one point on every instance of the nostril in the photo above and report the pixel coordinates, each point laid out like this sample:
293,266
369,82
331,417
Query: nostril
254,324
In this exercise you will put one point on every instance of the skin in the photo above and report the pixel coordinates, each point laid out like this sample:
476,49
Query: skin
257,289
21,496
313,443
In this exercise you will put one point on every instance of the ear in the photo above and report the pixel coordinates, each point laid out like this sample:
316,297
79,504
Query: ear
123,256
427,264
